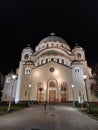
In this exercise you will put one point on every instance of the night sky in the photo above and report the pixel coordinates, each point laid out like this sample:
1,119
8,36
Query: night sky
24,22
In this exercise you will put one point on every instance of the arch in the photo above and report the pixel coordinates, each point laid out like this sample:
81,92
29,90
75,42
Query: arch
79,56
62,61
57,60
40,92
56,50
47,45
52,90
46,60
27,70
42,61
77,70
52,59
52,84
26,56
64,86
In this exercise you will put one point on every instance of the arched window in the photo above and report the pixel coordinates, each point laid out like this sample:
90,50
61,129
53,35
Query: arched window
57,60
27,70
26,56
41,61
78,55
64,86
62,61
52,59
52,69
40,86
77,70
46,60
52,84
8,80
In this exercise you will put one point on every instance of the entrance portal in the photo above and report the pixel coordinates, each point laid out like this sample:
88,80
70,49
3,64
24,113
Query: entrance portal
52,95
52,91
41,94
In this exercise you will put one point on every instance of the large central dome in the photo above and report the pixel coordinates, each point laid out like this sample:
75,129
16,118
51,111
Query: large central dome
53,38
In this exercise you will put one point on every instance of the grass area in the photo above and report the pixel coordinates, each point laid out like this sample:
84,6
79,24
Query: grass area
14,107
93,108
3,109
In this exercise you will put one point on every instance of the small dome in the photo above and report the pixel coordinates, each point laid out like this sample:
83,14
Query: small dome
77,47
28,48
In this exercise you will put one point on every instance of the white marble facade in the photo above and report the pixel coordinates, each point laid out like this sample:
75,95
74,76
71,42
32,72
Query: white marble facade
49,73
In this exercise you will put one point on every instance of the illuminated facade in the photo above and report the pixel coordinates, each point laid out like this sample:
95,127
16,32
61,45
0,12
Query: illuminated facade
49,73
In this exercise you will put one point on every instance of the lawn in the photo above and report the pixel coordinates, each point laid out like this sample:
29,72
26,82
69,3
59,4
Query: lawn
93,108
14,107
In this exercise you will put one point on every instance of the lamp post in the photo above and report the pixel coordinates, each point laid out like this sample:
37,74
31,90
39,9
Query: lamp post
29,94
88,105
73,94
11,90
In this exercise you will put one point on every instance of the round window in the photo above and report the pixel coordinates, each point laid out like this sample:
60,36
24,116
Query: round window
52,69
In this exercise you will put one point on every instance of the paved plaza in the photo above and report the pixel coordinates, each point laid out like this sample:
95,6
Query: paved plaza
55,117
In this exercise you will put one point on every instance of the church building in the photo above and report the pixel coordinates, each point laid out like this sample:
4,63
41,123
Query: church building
53,72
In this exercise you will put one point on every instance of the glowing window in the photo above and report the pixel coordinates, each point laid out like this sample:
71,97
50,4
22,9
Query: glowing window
40,86
27,70
63,86
26,56
52,69
79,56
77,70
52,84
8,80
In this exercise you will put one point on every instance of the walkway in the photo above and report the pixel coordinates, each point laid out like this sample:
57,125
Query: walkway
55,117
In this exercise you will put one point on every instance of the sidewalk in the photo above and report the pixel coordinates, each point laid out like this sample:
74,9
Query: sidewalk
55,117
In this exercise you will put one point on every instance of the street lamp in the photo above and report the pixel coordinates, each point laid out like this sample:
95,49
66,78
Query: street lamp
29,94
11,90
88,105
73,94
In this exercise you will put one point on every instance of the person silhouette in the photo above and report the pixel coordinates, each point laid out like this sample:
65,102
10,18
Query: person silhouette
45,105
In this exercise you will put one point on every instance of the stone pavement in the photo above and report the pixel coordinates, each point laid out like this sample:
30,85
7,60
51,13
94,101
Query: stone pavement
55,117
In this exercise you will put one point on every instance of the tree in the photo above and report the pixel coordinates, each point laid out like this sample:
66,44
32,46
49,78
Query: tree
94,89
1,83
94,85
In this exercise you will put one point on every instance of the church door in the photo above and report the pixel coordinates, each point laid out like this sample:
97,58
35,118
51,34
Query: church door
52,95
52,91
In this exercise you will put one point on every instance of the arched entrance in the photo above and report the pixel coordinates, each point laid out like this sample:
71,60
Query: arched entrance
52,91
41,94
63,92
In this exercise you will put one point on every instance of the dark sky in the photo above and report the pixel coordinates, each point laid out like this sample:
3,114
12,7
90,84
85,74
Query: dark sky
25,22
